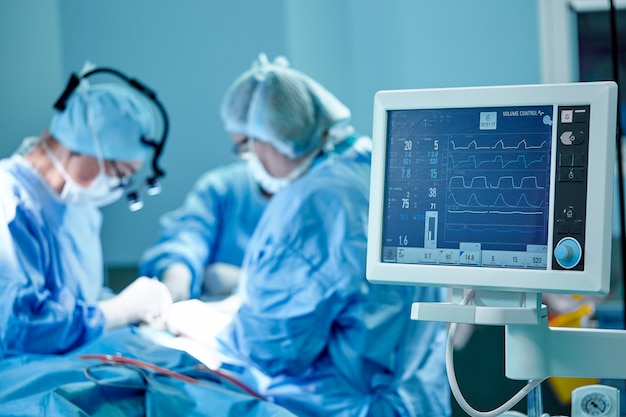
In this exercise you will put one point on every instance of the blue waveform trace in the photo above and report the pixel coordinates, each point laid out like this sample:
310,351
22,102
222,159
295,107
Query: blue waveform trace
493,229
500,142
485,185
533,213
500,197
477,164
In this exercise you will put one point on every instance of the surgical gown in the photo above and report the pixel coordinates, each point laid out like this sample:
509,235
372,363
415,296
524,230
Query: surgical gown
312,333
50,266
213,225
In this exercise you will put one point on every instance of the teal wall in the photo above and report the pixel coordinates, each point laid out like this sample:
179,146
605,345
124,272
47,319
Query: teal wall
190,50
30,68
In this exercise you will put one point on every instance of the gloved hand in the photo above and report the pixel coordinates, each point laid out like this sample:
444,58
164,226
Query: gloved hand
220,278
145,300
197,320
177,279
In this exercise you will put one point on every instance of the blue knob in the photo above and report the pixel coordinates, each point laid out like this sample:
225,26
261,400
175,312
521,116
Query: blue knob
568,252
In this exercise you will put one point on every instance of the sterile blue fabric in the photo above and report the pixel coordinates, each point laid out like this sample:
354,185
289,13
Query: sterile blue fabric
213,225
50,266
279,105
312,333
118,115
57,386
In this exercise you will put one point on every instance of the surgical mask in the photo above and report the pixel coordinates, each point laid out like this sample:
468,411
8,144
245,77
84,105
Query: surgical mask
102,191
272,184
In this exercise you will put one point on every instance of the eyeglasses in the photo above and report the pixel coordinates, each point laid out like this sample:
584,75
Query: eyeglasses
135,202
242,149
125,180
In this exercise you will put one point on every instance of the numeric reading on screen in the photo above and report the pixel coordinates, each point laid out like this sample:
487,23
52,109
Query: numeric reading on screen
468,186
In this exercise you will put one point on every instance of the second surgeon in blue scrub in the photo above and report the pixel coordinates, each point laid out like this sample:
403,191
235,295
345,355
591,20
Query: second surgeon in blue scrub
200,245
311,333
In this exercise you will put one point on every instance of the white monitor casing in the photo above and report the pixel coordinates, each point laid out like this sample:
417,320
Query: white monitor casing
594,278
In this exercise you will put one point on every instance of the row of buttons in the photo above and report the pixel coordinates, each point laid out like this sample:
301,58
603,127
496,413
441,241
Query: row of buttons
572,159
573,138
571,174
573,116
569,226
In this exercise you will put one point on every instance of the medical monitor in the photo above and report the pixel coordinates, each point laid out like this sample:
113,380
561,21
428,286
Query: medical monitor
498,188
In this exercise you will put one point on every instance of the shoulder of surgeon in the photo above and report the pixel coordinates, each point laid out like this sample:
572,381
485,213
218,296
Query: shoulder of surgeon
24,190
339,180
361,149
349,159
22,185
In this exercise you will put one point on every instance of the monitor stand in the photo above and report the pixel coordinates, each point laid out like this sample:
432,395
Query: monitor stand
534,350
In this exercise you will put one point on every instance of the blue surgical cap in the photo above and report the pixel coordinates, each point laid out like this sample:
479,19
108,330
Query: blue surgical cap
281,106
117,115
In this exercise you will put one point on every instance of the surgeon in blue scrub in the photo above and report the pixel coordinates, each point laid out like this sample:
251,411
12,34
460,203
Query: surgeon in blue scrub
199,247
51,270
311,333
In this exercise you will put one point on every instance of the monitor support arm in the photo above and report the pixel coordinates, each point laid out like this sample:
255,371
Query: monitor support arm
540,351
533,350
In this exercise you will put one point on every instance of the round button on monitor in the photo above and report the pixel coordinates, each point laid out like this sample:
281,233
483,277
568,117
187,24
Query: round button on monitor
568,252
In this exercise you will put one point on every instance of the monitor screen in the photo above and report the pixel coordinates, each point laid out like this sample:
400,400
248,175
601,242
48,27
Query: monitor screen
504,188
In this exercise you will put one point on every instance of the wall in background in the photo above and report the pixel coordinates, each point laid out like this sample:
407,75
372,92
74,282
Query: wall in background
31,70
190,50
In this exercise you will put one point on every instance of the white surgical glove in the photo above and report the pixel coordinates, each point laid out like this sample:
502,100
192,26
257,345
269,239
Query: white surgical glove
177,279
220,278
145,300
197,320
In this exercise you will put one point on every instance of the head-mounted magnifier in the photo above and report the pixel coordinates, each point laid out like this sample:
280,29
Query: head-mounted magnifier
151,184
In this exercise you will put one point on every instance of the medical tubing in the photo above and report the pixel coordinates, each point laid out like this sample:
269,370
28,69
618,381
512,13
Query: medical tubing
454,386
119,360
230,379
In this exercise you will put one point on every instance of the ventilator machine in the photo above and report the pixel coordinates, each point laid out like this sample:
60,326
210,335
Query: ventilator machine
500,194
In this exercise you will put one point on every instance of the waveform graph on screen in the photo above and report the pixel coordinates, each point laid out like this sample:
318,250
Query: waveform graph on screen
469,186
498,190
